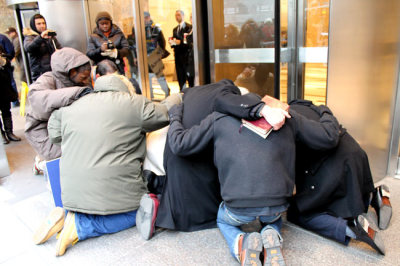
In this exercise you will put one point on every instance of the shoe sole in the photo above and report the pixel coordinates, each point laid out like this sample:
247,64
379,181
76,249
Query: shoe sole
61,235
54,220
252,247
272,247
385,215
145,217
377,242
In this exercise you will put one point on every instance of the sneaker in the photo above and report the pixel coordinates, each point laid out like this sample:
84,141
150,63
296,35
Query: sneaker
68,236
38,166
272,248
250,247
50,226
146,215
381,203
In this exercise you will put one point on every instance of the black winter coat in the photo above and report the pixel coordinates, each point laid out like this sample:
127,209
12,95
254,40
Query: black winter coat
7,93
253,171
39,51
337,181
120,42
191,194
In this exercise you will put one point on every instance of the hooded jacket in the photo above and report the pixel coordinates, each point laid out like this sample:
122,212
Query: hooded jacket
120,42
103,140
51,91
39,50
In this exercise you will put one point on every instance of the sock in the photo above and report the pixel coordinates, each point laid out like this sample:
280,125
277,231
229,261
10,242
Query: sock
350,233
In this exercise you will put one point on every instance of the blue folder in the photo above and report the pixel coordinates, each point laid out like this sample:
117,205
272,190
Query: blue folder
53,173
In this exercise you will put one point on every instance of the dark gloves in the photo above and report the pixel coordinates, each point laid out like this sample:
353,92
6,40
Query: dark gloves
321,110
175,113
84,92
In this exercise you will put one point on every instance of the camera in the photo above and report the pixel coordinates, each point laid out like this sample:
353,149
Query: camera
51,33
110,45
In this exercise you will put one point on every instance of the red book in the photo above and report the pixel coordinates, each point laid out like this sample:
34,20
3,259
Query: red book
261,126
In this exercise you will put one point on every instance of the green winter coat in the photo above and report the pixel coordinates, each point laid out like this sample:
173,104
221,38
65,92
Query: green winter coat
103,143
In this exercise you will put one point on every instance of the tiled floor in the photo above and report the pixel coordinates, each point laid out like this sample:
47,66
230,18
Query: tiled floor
25,201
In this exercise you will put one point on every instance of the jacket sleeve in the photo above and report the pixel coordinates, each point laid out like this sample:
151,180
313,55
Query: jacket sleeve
93,52
185,142
318,135
161,40
245,106
32,43
124,48
8,47
155,115
45,101
54,127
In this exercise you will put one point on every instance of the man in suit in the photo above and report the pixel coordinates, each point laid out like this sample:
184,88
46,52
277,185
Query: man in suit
181,47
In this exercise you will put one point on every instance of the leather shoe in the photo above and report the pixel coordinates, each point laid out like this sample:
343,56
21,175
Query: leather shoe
365,233
381,203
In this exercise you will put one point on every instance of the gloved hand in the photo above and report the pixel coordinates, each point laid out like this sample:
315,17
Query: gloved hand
110,53
176,112
84,92
321,109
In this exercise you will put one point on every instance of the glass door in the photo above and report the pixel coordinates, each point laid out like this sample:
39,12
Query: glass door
163,59
242,41
313,33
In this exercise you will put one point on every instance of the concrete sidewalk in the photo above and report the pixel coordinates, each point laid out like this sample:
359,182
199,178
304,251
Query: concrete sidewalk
25,201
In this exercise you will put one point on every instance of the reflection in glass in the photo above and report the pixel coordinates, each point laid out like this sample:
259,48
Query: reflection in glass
316,35
246,25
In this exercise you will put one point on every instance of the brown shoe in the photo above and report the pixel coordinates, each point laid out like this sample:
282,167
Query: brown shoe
272,248
250,247
68,236
50,226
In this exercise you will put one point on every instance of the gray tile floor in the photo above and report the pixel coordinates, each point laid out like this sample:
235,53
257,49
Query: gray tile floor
25,201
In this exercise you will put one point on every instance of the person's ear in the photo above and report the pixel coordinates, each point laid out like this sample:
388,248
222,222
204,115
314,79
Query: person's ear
72,73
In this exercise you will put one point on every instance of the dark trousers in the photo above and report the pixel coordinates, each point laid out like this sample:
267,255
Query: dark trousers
323,224
180,66
5,108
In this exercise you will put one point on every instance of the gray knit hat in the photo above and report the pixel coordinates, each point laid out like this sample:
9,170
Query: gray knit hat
103,15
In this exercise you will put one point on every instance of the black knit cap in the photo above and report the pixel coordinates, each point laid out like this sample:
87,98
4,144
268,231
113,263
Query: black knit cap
103,15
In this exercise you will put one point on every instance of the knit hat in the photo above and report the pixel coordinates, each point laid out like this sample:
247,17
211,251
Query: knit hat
103,15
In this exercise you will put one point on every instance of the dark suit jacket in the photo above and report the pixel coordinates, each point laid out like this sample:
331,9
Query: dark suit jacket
181,49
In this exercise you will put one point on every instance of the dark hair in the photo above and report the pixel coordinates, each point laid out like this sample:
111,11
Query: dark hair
84,67
32,22
106,67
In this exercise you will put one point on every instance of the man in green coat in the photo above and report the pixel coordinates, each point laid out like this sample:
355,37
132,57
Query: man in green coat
103,143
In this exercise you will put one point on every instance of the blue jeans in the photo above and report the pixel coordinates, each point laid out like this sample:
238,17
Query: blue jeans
163,84
89,225
229,225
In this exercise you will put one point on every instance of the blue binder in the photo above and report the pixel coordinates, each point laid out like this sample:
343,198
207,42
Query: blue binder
53,172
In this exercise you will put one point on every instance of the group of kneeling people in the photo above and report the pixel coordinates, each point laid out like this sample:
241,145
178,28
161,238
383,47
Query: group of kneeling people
205,170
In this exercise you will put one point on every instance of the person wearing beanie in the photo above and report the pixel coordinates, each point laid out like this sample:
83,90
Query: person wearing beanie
40,46
107,42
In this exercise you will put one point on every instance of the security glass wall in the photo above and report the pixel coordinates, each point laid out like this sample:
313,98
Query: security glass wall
315,51
160,19
159,22
242,43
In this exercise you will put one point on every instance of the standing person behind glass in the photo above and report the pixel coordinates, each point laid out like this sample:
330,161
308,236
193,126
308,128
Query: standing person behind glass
107,42
155,38
180,45
40,43
190,57
13,35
